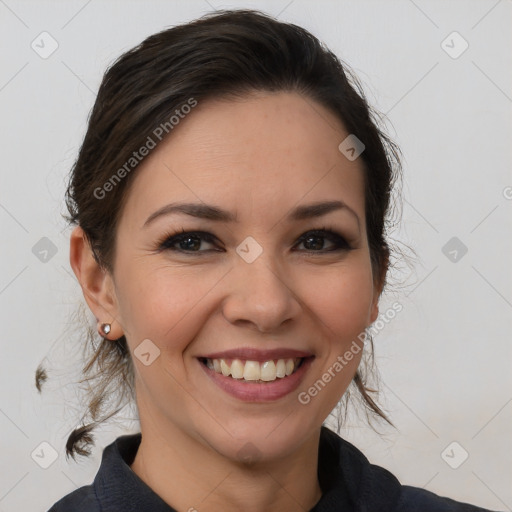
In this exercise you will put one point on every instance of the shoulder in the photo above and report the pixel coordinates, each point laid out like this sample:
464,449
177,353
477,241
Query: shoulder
115,486
414,499
82,499
372,487
407,498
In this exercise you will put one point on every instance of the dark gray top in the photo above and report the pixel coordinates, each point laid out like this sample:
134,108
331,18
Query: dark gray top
348,481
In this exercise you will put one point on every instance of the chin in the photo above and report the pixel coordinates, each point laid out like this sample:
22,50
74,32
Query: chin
249,442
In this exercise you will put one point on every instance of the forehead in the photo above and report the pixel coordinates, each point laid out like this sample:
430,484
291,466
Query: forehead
260,155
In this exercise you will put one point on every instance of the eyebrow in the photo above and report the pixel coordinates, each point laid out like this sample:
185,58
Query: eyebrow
214,213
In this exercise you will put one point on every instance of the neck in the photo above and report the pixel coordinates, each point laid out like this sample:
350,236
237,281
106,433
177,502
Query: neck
188,475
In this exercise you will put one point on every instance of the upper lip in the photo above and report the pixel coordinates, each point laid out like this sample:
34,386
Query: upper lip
255,354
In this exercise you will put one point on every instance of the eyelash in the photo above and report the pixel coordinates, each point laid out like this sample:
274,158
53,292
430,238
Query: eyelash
171,239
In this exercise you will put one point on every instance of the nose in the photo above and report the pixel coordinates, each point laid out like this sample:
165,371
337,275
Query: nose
260,295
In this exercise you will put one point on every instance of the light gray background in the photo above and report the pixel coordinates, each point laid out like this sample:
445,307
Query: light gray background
445,360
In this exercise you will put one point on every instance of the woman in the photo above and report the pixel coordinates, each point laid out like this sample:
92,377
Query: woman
230,200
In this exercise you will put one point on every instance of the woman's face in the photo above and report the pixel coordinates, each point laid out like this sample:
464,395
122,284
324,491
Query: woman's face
249,288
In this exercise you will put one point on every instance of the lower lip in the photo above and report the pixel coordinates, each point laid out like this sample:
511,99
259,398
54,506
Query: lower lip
259,392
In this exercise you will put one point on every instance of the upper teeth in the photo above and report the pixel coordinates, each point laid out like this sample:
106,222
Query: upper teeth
254,370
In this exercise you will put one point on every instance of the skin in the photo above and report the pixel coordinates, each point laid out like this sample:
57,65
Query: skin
260,156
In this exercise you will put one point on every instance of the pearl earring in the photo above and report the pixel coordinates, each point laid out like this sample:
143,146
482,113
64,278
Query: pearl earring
105,328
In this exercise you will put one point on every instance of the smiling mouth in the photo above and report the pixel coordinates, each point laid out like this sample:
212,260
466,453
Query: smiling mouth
254,371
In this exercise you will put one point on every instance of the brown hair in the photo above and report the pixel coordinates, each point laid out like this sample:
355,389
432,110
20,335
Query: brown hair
228,54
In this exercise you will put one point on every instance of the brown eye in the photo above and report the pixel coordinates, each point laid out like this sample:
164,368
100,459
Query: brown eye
314,241
186,242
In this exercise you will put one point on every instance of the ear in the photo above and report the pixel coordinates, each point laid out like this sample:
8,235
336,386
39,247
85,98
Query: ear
96,282
379,285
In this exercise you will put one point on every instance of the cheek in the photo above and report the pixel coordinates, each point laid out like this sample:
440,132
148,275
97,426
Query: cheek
342,299
341,302
163,303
